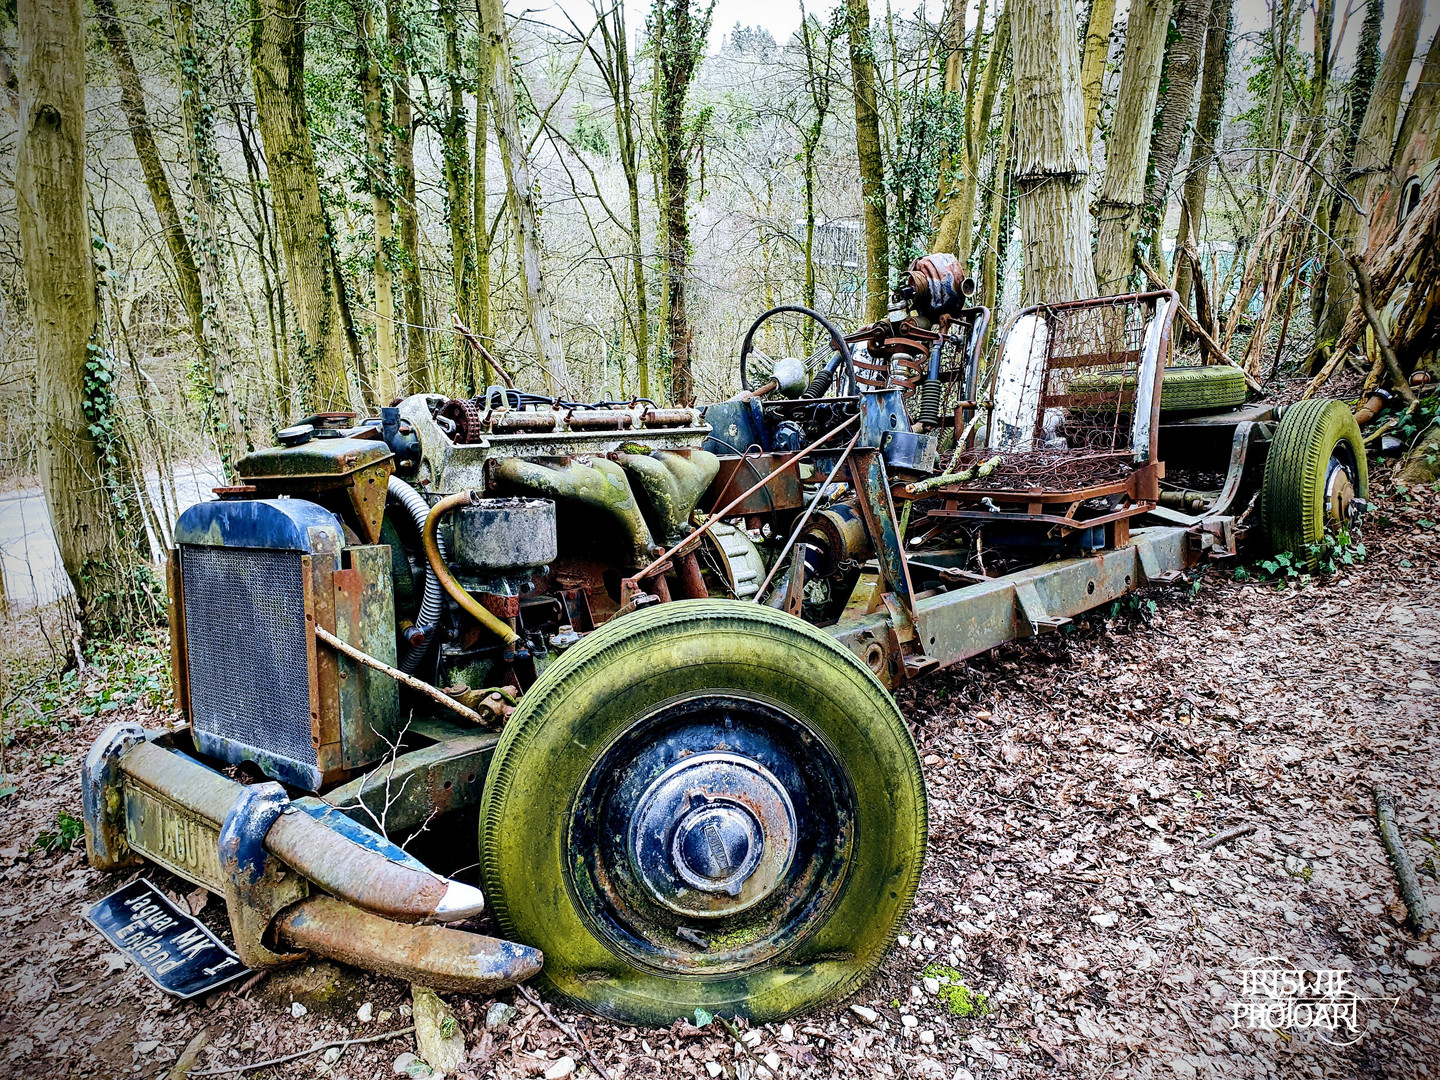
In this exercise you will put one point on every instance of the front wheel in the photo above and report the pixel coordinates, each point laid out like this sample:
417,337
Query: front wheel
705,804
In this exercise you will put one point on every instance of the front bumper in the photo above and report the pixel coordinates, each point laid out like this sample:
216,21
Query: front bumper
298,878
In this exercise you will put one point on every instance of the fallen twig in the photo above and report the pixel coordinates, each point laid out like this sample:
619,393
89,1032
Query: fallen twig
1415,905
433,693
573,1033
1224,837
1382,339
317,1048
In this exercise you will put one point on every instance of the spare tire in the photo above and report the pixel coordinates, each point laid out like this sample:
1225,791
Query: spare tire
1190,389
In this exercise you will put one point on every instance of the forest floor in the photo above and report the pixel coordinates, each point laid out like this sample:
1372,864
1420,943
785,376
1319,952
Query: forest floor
1072,779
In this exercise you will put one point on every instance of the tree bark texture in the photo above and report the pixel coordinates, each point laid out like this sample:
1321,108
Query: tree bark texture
480,318
417,361
1122,195
1092,67
1182,70
455,150
1050,154
51,206
872,163
277,60
1202,147
520,200
379,179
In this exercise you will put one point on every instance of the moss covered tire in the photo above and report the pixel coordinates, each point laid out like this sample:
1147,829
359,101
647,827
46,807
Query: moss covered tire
704,804
1209,388
1314,473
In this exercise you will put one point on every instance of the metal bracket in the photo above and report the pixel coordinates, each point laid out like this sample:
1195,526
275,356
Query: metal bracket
103,797
1034,610
257,885
1150,566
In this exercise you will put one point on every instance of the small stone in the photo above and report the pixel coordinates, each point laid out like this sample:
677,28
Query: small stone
903,941
787,1033
365,1012
927,1037
385,1016
932,986
147,1046
713,1068
297,1010
438,1038
331,1056
929,943
1419,957
909,1021
963,1073
772,1059
499,1016
402,1064
751,1038
762,1073
868,1015
1105,919
562,1068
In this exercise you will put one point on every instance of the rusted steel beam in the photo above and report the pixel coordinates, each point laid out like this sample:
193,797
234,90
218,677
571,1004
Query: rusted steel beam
428,955
953,626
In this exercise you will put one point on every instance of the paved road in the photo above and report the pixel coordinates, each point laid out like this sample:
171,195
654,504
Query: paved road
29,558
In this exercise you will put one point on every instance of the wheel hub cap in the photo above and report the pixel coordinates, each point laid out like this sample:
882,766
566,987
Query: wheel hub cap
712,835
1339,493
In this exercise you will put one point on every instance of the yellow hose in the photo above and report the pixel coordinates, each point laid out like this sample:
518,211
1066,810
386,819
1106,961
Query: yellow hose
471,606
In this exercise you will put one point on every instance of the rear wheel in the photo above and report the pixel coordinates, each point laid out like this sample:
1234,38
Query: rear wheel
1315,472
705,804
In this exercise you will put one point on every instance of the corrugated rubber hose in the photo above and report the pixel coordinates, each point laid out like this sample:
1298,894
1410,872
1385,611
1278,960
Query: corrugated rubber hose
434,596
430,536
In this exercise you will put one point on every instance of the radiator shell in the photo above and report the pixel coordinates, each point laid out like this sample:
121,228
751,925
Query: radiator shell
249,580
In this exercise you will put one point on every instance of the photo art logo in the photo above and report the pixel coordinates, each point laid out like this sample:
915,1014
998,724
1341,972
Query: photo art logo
1278,997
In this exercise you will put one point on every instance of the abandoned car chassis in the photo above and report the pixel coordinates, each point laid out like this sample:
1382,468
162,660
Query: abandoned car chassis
724,795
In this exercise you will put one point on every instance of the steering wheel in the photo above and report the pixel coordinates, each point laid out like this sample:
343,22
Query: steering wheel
765,366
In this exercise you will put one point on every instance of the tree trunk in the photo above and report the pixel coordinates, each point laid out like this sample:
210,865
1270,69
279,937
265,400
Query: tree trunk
132,103
378,177
227,417
1122,195
455,149
1092,68
1374,150
872,164
480,223
678,32
417,364
957,227
520,200
1182,69
999,204
1202,147
277,59
1338,293
1050,156
60,277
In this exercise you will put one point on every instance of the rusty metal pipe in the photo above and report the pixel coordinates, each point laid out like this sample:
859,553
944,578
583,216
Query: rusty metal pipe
472,607
804,520
428,955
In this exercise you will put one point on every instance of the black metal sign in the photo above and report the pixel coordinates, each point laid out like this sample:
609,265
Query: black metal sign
174,949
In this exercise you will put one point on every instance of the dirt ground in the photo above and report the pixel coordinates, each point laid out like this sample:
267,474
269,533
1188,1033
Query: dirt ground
1072,781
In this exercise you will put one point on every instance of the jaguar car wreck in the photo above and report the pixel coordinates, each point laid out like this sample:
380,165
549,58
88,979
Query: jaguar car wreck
705,796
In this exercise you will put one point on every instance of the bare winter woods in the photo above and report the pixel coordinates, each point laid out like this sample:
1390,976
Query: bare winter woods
220,216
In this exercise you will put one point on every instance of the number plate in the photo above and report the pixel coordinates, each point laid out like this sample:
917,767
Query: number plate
178,839
174,950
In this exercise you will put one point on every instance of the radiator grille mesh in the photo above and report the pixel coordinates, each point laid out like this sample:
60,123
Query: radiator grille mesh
245,643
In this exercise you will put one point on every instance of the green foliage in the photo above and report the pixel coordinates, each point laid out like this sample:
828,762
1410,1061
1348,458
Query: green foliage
932,131
702,1018
68,829
958,998
1325,559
